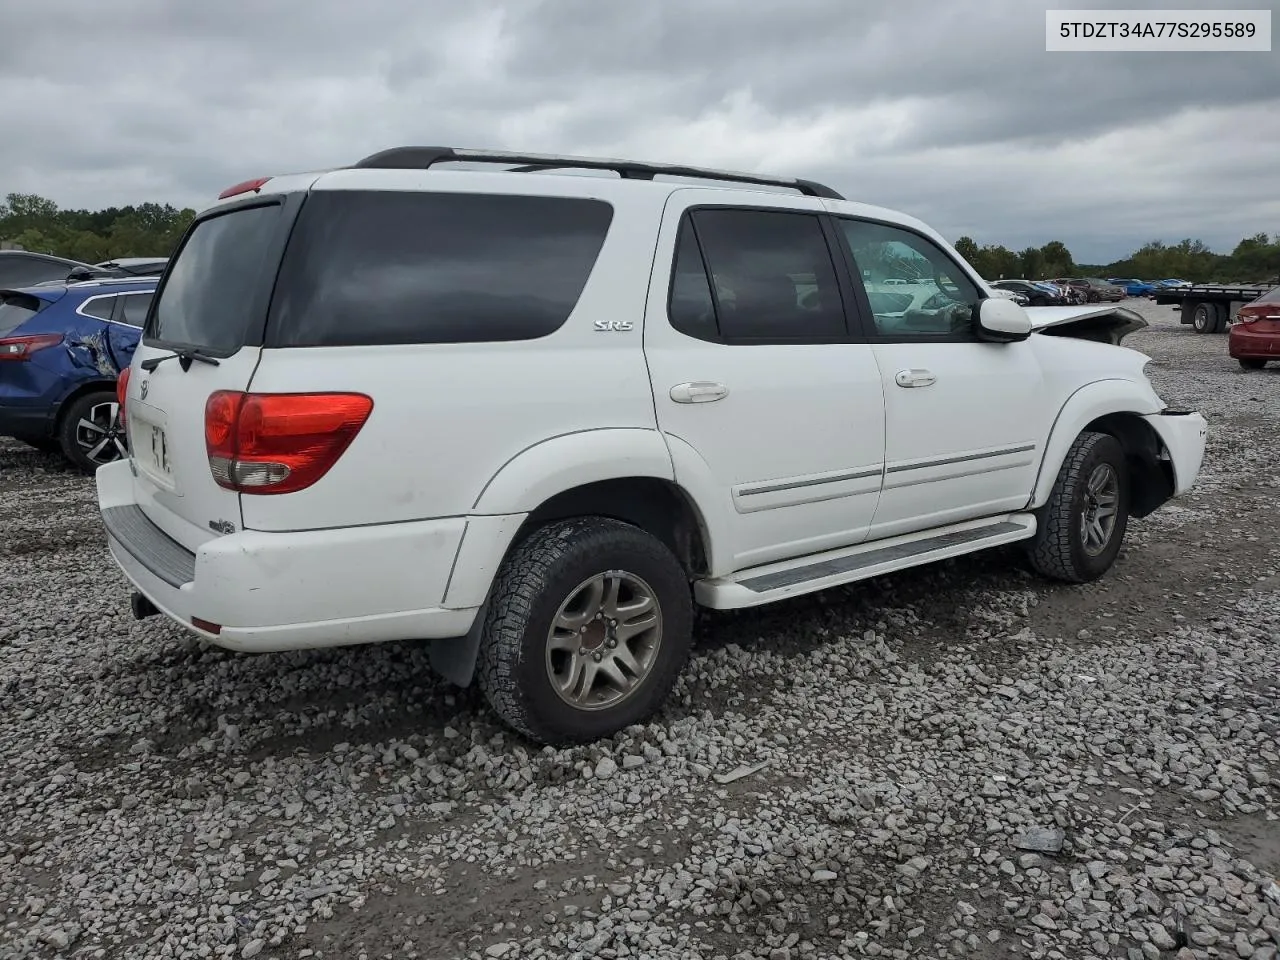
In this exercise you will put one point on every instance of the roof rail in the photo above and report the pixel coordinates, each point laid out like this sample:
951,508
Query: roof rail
422,158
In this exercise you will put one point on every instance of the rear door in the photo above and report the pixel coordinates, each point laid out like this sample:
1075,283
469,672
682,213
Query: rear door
213,302
126,327
771,405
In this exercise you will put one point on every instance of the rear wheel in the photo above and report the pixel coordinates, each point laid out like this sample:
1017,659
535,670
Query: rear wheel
590,624
1251,363
1082,526
90,433
1207,317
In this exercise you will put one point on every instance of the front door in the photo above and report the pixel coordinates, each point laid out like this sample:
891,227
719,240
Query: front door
964,419
770,404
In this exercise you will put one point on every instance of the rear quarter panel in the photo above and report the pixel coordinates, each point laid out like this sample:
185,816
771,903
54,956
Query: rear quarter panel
448,417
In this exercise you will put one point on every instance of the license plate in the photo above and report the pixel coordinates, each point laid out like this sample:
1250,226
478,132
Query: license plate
153,448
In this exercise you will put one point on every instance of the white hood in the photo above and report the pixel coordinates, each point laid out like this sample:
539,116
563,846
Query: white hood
1088,322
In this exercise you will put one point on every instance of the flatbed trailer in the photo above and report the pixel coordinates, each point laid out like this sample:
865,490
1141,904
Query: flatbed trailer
1208,306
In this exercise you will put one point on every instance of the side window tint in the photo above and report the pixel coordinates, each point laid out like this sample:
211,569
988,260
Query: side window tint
99,307
914,288
771,274
690,305
135,308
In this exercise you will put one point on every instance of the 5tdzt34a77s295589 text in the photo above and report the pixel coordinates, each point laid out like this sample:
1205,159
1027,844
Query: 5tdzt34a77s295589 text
1158,30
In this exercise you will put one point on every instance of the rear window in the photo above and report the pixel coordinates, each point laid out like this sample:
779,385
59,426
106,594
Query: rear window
1271,296
375,267
16,309
213,294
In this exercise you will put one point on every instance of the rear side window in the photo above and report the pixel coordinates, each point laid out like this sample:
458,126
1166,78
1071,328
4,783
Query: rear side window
134,308
16,309
772,275
376,267
100,307
213,292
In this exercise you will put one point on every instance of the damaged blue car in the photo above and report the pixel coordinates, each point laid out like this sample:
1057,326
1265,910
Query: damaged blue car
62,345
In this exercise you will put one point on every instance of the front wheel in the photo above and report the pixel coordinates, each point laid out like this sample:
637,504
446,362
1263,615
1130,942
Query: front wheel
590,623
1252,363
1083,524
90,433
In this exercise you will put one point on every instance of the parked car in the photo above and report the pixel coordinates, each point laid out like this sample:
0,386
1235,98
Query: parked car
1094,289
62,347
357,414
24,268
1254,337
1134,288
1017,296
1033,294
135,266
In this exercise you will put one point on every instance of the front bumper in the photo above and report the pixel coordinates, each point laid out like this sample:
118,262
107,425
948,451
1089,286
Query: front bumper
1184,435
263,592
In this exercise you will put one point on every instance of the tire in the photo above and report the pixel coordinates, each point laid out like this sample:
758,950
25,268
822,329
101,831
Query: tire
89,432
1206,317
1252,363
1059,549
564,565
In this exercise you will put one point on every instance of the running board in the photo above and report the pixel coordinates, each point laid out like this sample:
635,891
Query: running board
789,578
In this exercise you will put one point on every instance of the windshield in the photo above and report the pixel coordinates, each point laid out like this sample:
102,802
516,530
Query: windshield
212,295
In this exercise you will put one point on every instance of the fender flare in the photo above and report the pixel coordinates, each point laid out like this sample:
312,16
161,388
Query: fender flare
537,473
1088,403
540,472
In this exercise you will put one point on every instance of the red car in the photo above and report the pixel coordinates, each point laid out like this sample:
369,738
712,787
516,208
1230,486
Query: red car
1254,337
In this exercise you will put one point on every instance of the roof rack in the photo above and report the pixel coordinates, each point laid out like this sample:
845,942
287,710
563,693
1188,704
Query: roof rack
422,158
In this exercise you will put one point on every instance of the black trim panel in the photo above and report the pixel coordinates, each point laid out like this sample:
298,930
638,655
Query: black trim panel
859,561
149,545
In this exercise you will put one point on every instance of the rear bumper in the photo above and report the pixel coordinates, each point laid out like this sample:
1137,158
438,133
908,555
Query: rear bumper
1246,344
1184,436
287,591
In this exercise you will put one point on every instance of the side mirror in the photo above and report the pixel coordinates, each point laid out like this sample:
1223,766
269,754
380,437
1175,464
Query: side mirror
1002,320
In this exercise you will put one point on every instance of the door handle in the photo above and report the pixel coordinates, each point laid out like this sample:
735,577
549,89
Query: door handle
914,378
700,391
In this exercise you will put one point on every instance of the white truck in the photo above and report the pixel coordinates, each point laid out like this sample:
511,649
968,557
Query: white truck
532,416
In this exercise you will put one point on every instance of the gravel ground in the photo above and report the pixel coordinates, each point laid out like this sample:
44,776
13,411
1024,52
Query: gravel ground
958,761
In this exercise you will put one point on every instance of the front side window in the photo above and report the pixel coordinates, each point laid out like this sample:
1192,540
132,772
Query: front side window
772,278
938,300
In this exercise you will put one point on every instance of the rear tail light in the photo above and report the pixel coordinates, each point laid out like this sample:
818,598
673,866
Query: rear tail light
279,442
1246,318
21,348
122,391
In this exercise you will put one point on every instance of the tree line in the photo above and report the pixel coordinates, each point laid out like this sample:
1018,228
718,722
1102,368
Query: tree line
1254,259
153,230
91,236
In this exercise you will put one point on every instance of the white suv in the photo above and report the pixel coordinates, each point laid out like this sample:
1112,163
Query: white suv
532,416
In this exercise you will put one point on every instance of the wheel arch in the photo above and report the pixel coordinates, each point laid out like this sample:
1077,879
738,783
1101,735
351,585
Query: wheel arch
79,390
1117,408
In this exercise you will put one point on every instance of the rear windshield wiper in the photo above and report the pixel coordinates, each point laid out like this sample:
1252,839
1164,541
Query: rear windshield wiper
184,357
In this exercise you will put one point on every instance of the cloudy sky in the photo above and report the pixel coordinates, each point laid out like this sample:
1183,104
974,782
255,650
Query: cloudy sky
952,112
